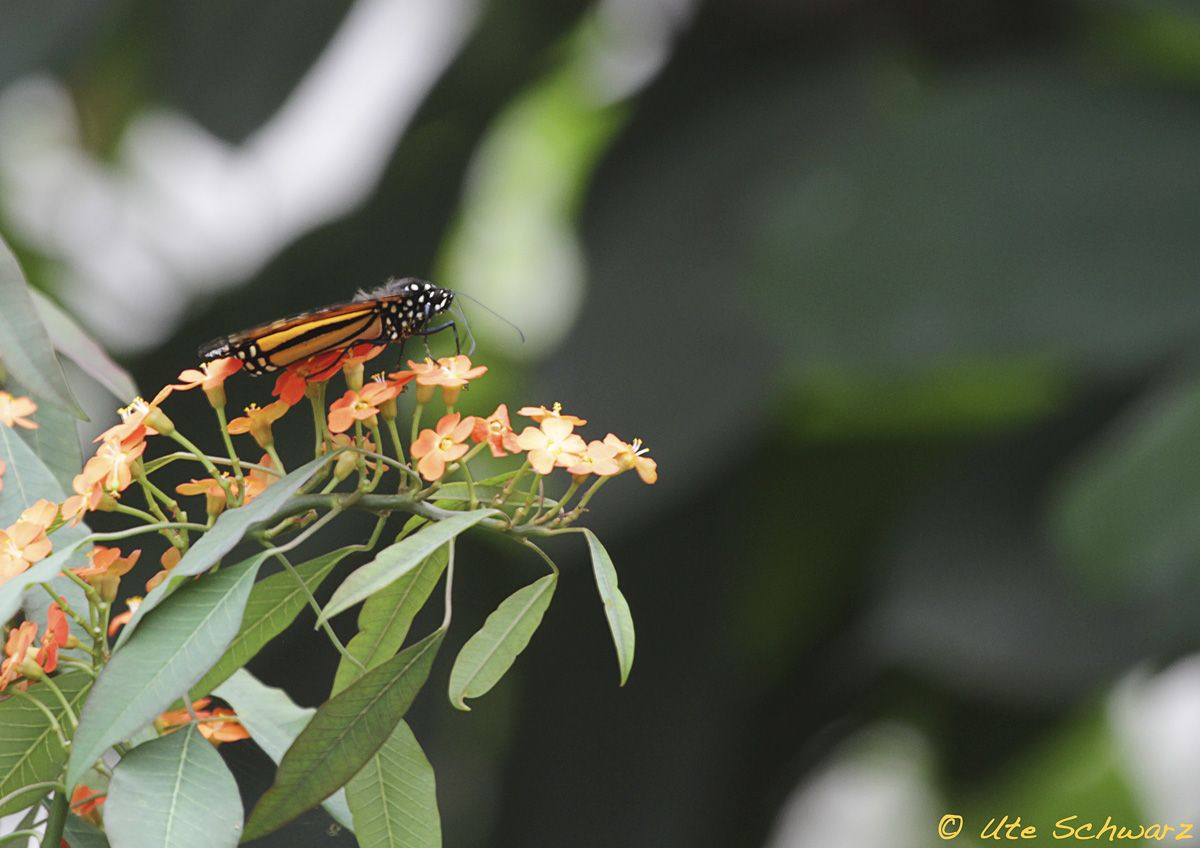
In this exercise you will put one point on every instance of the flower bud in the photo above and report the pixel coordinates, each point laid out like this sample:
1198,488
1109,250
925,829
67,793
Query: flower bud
345,465
353,372
216,395
158,420
106,585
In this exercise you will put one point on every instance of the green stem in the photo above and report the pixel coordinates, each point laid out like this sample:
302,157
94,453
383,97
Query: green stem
32,787
65,607
234,459
416,424
587,496
187,445
449,586
316,608
49,713
394,432
316,398
275,458
166,459
18,835
545,556
49,683
57,821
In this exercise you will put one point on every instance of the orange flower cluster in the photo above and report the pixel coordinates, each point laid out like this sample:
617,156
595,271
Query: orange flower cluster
26,541
230,730
26,657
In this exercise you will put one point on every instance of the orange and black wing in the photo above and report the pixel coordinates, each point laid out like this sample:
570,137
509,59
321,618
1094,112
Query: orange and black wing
289,340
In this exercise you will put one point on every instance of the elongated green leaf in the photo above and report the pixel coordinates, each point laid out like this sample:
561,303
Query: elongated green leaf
344,734
394,797
385,618
274,721
176,791
74,342
29,748
395,560
180,643
55,441
25,346
272,606
26,478
490,653
616,608
221,538
80,834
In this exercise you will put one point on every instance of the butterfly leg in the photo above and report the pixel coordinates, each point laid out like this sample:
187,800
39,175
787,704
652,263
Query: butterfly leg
449,325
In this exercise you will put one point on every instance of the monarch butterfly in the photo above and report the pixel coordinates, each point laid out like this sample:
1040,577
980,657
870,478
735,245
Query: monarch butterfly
397,310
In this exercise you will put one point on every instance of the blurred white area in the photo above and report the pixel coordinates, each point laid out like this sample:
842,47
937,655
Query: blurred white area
876,793
515,246
1156,725
183,212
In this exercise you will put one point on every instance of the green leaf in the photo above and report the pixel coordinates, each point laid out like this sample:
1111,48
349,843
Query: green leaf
274,721
73,341
80,834
490,653
55,441
385,618
221,538
274,603
175,647
394,561
344,734
176,791
29,747
616,608
394,797
25,346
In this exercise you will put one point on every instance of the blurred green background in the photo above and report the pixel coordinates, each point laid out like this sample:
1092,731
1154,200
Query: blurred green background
902,295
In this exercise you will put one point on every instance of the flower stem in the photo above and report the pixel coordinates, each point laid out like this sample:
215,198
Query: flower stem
316,608
234,459
187,445
65,607
62,699
449,586
58,819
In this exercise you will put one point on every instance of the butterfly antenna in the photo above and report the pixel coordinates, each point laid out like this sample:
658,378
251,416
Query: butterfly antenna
462,313
493,311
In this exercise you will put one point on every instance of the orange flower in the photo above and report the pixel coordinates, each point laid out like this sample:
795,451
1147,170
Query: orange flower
169,559
290,385
21,545
85,803
140,418
257,481
42,513
497,432
3,468
553,444
634,456
119,621
107,561
212,491
57,633
435,448
14,409
257,422
362,405
449,372
540,414
211,376
598,459
17,650
107,569
214,731
223,731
